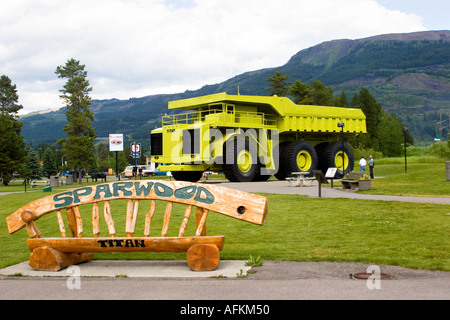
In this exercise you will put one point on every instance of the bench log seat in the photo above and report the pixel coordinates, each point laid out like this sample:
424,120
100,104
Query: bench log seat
202,251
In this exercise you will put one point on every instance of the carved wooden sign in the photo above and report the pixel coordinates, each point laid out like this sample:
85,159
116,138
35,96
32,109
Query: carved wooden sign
57,253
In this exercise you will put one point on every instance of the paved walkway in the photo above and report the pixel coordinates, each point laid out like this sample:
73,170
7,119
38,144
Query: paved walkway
283,187
275,280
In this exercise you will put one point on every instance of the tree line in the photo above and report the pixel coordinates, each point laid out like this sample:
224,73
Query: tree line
76,151
385,133
49,160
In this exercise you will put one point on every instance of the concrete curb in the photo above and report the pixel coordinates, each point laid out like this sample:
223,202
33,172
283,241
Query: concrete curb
134,269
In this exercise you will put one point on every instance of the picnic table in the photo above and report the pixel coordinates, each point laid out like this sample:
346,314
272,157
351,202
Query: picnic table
300,179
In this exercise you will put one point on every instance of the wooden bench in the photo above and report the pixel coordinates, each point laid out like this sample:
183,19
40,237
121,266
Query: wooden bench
354,182
202,251
35,183
95,177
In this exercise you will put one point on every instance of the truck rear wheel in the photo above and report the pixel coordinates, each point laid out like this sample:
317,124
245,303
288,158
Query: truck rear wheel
241,165
190,176
333,158
299,156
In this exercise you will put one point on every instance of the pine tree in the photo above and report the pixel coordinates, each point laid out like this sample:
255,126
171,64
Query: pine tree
33,166
49,166
12,147
321,95
301,93
372,110
342,100
279,85
79,144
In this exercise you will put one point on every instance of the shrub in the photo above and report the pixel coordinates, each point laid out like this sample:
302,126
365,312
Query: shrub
440,150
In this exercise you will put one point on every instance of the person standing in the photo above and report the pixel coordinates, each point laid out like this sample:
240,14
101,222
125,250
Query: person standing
371,165
362,165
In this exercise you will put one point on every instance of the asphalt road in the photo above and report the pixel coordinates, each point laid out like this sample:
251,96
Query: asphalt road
275,280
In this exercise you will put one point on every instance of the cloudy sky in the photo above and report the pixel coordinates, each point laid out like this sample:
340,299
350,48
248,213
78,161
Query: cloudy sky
134,48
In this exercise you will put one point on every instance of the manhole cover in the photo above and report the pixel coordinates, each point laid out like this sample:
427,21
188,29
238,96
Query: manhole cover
365,275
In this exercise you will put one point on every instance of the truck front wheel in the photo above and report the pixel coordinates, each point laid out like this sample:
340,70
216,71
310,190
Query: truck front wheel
241,162
299,156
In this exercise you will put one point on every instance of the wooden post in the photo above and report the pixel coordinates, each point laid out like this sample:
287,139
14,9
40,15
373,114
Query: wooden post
187,215
320,188
149,217
167,216
78,222
95,220
28,216
49,259
203,257
108,219
199,216
318,174
71,221
132,212
62,229
201,229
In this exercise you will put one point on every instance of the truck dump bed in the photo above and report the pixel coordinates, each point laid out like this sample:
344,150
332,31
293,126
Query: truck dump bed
278,112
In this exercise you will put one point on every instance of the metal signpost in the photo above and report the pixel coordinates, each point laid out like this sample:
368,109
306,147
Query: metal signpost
135,153
318,174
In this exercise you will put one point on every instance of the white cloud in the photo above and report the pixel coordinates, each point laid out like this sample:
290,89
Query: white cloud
133,48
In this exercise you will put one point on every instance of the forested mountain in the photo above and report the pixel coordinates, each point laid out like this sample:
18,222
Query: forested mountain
408,74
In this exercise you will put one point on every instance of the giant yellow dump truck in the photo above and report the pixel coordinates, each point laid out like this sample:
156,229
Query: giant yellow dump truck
251,138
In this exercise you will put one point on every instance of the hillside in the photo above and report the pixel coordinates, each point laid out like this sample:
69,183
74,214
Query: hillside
409,74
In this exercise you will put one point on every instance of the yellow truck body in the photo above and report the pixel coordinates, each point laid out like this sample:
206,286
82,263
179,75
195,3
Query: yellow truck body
250,138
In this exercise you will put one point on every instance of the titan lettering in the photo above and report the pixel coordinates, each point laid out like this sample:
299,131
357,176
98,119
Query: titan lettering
119,243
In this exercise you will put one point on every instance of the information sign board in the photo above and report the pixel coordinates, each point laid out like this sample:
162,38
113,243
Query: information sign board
116,142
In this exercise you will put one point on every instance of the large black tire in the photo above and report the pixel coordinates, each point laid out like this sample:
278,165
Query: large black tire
261,177
299,156
321,155
190,176
240,164
281,175
333,158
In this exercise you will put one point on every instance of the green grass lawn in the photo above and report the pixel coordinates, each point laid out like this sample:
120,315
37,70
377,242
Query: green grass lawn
297,228
421,179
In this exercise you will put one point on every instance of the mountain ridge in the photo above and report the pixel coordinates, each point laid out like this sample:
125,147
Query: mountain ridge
404,72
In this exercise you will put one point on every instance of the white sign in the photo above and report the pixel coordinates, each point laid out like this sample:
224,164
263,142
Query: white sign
116,142
331,173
